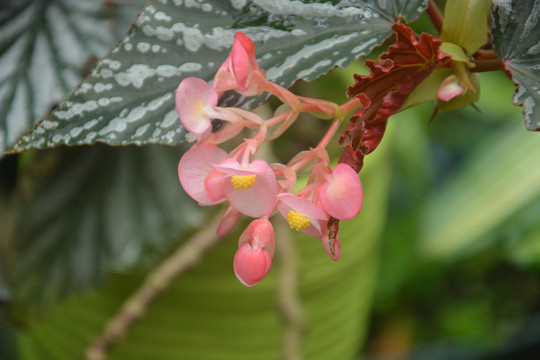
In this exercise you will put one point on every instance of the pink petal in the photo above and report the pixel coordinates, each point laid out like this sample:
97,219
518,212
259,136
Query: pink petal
259,233
251,265
450,88
195,100
213,185
302,206
342,196
193,168
259,199
233,167
229,219
242,60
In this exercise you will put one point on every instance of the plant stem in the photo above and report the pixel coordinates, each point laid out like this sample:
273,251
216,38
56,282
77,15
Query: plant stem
289,301
435,15
157,281
487,65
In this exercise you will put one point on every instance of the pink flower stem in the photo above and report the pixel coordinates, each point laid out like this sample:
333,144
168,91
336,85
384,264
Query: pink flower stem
279,118
329,134
349,106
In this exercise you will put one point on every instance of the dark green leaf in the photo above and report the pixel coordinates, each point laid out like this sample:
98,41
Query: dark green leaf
46,49
516,38
84,211
129,97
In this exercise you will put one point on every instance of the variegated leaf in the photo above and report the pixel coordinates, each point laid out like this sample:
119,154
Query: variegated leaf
129,97
516,38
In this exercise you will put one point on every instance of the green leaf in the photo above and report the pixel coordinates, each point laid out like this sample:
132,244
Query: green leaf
81,212
498,180
466,23
516,39
43,49
129,97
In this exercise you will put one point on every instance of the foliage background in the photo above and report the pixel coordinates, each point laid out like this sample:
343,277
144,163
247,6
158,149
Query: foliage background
441,264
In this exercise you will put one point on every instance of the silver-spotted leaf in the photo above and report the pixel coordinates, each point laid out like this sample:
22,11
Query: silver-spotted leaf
129,97
43,49
516,38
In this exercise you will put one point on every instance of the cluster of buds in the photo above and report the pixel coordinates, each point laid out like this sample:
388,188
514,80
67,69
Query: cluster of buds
251,186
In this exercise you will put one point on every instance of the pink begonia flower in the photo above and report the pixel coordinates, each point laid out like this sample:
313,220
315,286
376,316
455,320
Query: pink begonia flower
195,101
302,214
341,195
250,189
253,260
238,70
450,88
194,168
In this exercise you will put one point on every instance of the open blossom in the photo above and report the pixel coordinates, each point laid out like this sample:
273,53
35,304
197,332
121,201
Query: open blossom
195,101
253,260
302,214
251,188
240,71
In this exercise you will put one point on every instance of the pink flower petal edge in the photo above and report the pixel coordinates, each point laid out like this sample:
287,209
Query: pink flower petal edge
195,100
194,167
341,196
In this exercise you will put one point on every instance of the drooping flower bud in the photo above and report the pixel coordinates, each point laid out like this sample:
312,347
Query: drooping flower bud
253,260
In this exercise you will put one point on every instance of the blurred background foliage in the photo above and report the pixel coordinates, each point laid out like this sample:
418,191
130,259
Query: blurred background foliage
442,263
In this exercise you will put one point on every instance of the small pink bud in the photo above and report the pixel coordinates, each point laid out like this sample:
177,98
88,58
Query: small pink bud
450,88
253,260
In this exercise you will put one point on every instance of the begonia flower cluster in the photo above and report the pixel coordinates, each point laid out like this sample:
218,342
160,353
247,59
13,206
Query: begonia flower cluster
249,185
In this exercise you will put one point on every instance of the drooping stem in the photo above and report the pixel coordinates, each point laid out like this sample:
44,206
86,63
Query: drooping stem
435,15
187,255
289,302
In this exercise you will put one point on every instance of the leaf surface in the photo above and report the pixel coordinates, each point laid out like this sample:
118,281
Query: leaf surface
83,212
516,39
43,50
400,70
129,97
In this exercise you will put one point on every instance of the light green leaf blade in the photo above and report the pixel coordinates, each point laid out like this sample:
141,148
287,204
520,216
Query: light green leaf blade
516,39
129,97
499,180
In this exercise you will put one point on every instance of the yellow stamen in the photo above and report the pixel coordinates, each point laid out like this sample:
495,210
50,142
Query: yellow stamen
297,221
243,181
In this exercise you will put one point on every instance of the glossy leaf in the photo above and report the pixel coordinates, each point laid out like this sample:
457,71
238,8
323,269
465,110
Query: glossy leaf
85,211
516,39
128,99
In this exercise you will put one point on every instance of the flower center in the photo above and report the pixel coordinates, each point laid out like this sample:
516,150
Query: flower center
243,181
297,221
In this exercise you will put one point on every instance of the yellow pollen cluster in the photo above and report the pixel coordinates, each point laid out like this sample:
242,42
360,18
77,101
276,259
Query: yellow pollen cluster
243,181
297,221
